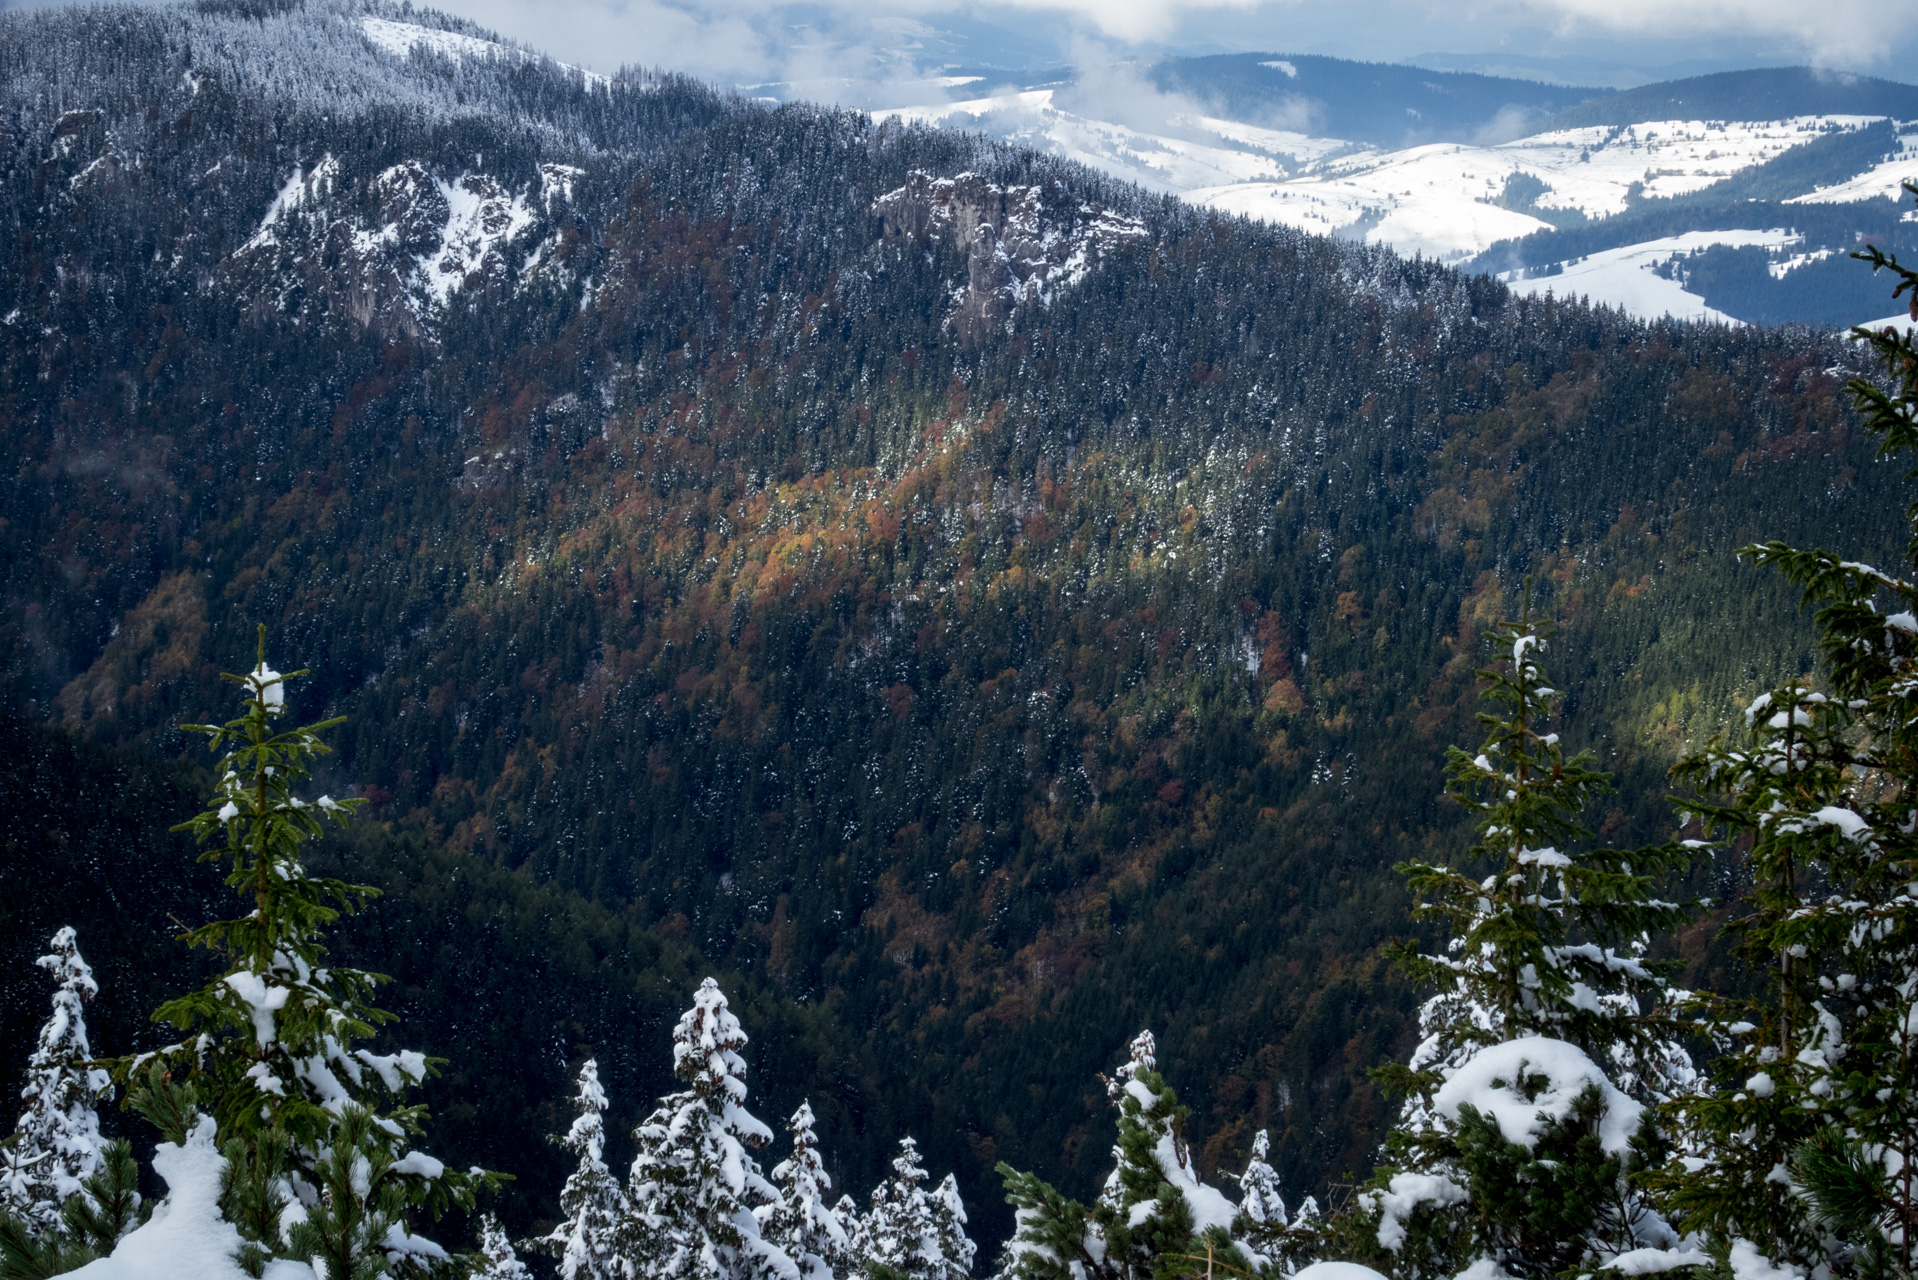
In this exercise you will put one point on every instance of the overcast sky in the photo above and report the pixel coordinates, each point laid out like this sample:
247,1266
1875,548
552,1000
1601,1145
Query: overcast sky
860,51
743,41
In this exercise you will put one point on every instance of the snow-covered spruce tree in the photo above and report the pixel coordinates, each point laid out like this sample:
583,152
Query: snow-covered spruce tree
56,1142
694,1185
497,1261
909,1233
1806,1151
954,1246
1154,1216
92,1222
592,1202
800,1222
1266,1232
1550,1032
318,1159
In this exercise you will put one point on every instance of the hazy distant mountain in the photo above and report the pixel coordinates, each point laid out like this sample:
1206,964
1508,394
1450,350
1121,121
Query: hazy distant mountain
1381,104
1771,93
1732,197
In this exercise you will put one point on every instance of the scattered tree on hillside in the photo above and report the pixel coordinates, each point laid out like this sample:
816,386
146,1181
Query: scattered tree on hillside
694,1184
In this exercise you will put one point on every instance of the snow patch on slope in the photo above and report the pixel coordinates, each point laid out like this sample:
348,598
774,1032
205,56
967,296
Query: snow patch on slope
1883,181
481,216
1190,152
1628,278
301,189
401,38
1442,200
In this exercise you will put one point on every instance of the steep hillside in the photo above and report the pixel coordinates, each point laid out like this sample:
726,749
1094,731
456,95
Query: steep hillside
988,606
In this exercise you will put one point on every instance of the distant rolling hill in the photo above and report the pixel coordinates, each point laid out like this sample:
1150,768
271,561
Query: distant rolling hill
1732,197
1382,104
1768,93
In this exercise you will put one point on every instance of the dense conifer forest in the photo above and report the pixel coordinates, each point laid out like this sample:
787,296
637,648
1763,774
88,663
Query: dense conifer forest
717,575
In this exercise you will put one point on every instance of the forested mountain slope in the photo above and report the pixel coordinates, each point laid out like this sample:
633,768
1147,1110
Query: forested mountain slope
1002,615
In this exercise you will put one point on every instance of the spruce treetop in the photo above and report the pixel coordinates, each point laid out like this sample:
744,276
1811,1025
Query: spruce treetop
1261,1201
587,1135
273,1052
800,1222
706,1045
585,1240
56,1145
1553,939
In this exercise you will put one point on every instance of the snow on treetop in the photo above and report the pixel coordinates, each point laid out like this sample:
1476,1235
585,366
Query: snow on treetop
1143,1048
905,1165
1493,1083
189,1237
268,685
706,1045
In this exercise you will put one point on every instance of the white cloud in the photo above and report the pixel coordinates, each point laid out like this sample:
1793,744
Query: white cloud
1852,35
855,43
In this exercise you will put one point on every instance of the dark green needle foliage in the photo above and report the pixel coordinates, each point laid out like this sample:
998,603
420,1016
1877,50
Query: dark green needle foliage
274,1053
1547,944
1805,1147
91,1223
1554,940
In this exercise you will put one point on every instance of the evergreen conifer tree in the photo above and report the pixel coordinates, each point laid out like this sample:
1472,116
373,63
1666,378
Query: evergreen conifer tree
585,1241
497,1260
56,1144
1269,1235
694,1185
92,1222
800,1222
910,1233
318,1151
1550,1032
1806,1152
1153,1216
949,1228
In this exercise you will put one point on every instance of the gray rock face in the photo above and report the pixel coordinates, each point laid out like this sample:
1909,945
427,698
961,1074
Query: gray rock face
392,251
1021,247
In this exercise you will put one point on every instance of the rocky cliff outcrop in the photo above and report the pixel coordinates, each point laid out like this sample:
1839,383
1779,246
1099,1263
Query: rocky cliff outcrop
1023,244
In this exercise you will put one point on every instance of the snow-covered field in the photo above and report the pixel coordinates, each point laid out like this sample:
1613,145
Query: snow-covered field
1881,182
1439,200
1189,153
1446,201
1627,278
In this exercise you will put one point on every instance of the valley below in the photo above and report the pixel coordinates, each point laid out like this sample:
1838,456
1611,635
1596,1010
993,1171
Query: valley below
976,578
